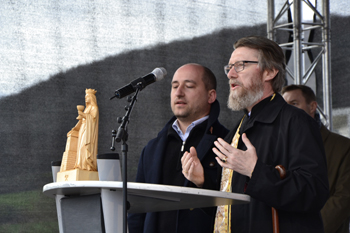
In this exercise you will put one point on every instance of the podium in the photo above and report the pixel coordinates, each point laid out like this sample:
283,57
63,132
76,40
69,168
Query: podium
97,206
142,197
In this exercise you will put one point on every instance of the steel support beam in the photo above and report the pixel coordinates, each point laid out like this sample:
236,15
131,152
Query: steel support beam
301,73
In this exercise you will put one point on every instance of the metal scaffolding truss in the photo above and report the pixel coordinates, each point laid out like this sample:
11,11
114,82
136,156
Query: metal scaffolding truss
298,28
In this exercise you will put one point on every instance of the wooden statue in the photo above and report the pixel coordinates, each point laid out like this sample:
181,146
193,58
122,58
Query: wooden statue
79,160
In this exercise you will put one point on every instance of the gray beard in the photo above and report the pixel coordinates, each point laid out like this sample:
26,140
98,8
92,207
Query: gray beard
246,99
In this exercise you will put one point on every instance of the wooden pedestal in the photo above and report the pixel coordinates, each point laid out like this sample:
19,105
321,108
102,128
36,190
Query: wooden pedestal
76,175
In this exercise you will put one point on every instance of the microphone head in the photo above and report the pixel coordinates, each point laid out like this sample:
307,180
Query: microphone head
159,73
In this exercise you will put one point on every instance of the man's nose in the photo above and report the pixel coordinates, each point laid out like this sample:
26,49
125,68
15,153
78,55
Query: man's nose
232,73
179,91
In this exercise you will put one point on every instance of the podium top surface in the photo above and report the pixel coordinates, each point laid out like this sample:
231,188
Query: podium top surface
144,197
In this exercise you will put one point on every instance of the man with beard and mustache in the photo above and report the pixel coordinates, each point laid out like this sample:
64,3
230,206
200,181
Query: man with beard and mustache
194,127
271,133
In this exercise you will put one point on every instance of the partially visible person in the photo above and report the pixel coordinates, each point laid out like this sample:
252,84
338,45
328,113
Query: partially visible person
336,212
194,127
270,133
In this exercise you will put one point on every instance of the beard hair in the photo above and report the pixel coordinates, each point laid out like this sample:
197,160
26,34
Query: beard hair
248,97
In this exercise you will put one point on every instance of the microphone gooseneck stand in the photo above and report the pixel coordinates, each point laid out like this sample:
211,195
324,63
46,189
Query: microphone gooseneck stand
122,135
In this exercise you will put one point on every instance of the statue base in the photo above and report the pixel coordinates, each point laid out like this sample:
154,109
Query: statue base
76,175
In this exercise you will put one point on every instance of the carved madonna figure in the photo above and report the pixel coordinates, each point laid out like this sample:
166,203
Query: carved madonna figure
79,161
88,133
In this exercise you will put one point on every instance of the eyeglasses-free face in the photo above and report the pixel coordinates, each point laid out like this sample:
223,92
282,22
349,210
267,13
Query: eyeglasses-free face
239,66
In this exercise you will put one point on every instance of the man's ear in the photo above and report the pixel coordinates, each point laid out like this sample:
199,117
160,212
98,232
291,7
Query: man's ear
268,75
211,96
313,108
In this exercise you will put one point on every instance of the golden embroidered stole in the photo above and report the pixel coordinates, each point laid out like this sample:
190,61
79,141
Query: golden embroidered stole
223,213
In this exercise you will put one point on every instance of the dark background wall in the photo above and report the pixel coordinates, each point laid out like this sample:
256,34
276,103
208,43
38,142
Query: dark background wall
34,122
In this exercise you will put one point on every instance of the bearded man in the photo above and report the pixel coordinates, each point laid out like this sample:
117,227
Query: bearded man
270,133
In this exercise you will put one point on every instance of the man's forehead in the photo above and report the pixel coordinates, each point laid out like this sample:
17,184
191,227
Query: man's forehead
294,95
178,80
244,53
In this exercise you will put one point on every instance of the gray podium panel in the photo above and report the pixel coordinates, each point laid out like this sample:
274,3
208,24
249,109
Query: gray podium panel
81,214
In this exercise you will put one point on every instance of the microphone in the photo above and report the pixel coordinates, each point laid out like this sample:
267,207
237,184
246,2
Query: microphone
156,75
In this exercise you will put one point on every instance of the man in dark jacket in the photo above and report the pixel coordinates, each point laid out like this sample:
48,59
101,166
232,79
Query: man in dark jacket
271,133
336,211
194,126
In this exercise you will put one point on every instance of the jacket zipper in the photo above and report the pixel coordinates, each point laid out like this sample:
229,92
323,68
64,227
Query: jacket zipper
183,146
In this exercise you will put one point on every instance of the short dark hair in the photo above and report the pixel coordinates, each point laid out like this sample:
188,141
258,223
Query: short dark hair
270,56
209,79
306,91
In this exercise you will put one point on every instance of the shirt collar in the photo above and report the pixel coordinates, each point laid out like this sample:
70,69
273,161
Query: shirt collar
183,136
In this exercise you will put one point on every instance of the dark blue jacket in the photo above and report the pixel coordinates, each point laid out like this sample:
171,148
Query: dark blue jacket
150,168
